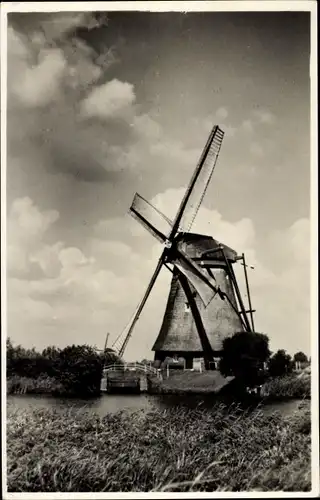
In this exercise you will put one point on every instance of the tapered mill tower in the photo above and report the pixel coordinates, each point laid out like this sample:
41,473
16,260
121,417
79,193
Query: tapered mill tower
189,327
204,305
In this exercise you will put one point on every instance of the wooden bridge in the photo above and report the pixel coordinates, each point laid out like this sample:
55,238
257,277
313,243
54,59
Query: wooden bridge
127,377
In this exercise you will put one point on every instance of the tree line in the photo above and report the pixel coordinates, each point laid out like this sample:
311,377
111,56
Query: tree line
77,368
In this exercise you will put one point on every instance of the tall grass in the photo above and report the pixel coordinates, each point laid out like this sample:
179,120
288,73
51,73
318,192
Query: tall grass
178,449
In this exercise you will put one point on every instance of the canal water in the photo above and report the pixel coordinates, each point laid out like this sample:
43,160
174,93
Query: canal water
109,403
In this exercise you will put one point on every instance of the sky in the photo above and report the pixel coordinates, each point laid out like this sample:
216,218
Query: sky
101,105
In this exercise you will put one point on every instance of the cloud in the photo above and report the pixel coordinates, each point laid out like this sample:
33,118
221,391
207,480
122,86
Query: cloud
257,118
40,85
222,113
26,227
26,220
58,95
68,121
264,116
109,100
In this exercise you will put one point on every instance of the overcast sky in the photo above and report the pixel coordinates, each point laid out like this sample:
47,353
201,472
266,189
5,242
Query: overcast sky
99,108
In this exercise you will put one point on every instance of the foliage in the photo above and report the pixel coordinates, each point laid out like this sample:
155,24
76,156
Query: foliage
300,357
79,367
289,386
243,356
221,449
280,364
76,369
40,385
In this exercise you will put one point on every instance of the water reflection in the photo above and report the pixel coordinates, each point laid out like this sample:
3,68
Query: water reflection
111,403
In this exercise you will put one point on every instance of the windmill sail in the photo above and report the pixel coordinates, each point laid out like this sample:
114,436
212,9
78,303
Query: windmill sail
204,291
140,307
199,183
150,217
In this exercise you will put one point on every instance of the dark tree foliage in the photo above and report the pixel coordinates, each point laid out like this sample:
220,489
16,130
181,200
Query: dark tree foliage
300,357
244,356
78,367
280,364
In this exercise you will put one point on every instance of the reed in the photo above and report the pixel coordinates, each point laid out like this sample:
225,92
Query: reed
176,449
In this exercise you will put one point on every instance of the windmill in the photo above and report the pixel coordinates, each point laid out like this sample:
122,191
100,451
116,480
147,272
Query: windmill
204,305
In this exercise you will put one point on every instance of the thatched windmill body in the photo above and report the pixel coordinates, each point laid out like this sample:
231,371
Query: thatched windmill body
204,305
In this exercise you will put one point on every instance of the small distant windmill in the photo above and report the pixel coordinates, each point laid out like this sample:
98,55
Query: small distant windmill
204,304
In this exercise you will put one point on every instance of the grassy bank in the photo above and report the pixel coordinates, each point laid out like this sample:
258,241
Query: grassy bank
294,386
44,384
186,382
222,449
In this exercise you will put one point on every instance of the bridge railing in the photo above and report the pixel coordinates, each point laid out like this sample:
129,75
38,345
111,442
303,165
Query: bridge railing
132,367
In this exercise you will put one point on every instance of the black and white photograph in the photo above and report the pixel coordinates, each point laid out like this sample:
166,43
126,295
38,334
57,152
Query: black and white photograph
159,319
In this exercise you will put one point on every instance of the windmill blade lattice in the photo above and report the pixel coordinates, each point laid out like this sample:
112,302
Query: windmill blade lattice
203,174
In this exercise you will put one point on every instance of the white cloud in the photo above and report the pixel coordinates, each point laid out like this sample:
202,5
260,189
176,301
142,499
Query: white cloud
40,85
112,99
264,116
55,27
25,229
72,258
222,113
91,126
27,221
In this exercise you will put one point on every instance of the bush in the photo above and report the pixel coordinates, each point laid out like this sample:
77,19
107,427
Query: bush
280,364
300,357
243,356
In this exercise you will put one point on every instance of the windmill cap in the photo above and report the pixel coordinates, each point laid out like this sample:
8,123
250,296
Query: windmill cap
205,247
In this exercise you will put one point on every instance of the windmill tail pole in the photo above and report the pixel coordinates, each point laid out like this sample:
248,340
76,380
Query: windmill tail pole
248,290
236,287
141,306
106,341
